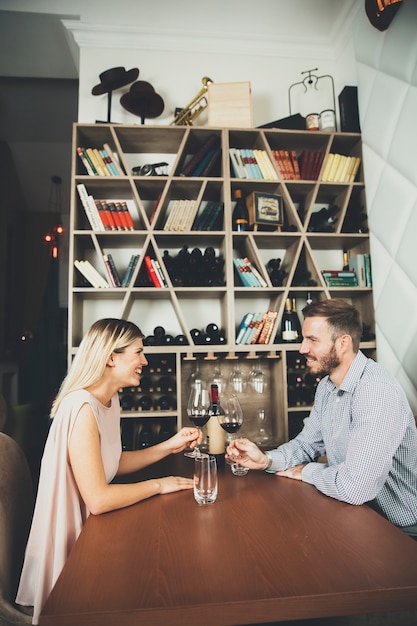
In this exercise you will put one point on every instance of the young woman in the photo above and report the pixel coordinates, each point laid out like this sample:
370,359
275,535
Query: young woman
83,454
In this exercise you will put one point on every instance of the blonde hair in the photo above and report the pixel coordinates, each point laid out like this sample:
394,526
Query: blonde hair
104,337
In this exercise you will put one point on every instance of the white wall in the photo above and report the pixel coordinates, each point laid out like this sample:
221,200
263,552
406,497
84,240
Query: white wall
177,76
387,87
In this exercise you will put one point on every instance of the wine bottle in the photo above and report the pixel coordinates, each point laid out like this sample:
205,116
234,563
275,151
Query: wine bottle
297,322
144,403
240,216
290,324
215,432
145,436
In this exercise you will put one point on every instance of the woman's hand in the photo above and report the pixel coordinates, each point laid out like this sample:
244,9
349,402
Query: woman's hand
246,453
169,484
184,438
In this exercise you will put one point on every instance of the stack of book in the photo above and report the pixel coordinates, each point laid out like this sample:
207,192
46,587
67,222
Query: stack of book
181,215
361,265
155,272
100,162
311,162
339,168
256,328
209,217
105,215
287,163
340,278
204,160
114,276
248,163
248,274
89,272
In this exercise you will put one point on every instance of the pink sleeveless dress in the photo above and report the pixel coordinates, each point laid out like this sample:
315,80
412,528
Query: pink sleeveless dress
60,513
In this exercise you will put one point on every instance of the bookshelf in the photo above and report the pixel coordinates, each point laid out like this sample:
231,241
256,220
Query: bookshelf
189,301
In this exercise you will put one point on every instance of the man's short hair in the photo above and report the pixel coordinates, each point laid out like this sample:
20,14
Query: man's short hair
342,317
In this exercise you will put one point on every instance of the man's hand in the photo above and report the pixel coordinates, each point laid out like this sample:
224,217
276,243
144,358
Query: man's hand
292,472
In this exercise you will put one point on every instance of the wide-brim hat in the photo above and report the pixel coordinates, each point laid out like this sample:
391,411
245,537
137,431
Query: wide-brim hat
142,100
114,78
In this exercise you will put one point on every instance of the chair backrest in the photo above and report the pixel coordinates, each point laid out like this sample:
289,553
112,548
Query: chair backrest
16,508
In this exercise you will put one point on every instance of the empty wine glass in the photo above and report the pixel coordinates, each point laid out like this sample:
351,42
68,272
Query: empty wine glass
236,380
198,412
262,436
219,380
258,380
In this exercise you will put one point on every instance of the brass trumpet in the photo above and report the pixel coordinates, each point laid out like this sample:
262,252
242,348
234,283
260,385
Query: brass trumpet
188,114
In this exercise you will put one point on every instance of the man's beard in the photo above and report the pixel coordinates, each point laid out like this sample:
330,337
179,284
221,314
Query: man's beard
328,363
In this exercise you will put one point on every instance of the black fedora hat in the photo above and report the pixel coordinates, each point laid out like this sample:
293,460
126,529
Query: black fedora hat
142,100
114,78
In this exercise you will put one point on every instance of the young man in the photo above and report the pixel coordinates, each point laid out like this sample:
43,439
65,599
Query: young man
360,420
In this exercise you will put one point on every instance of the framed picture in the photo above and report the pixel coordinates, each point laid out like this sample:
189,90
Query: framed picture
265,209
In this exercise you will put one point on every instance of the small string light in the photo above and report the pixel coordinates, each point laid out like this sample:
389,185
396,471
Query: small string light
54,206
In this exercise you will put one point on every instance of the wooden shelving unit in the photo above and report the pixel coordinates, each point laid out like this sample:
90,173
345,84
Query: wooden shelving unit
180,309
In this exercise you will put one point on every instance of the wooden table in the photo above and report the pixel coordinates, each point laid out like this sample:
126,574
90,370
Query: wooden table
269,549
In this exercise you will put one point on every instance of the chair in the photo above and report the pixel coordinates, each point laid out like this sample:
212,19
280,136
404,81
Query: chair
16,507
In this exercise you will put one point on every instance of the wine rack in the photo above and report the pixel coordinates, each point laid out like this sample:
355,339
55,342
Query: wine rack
200,288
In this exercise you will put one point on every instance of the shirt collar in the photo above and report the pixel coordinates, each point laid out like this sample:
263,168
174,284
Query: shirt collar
354,372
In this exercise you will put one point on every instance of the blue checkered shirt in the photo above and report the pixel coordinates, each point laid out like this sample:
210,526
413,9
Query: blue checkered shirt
368,432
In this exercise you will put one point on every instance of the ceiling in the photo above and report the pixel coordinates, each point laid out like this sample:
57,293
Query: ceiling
35,43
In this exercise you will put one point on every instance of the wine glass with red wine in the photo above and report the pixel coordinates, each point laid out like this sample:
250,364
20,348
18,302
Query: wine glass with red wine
231,421
198,411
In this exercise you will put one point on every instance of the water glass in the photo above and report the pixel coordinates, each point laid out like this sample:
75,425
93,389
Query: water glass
205,479
238,469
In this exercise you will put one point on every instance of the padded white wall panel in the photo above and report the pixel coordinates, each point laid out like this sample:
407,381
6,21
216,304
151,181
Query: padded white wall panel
387,92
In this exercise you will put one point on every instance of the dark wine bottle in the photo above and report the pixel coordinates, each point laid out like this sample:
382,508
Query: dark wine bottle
145,403
240,216
297,322
290,324
145,437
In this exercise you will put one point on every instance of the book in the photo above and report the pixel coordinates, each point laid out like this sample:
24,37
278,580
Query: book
333,168
244,324
257,328
90,208
357,264
91,274
368,272
340,278
91,170
268,327
112,270
327,165
160,273
244,271
265,164
190,167
355,167
107,162
97,165
253,325
130,270
152,273
238,167
254,271
114,160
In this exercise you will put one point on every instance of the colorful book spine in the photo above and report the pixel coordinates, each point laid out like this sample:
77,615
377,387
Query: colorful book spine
244,325
195,161
112,270
90,208
152,273
130,270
